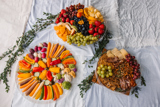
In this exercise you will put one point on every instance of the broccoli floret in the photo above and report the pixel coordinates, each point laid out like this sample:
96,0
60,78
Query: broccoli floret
59,76
71,66
66,85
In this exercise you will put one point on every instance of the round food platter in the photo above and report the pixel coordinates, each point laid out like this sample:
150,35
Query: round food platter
118,71
45,74
79,25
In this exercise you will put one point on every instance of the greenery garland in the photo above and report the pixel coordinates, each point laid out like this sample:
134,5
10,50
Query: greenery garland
22,43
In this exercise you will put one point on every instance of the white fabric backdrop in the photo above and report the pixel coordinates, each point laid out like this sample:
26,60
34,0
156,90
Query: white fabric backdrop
97,96
139,23
13,18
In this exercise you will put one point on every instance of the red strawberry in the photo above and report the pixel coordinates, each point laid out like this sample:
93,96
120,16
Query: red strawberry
100,31
63,11
65,15
62,19
95,34
97,23
57,21
60,15
96,29
72,22
91,31
67,20
91,26
102,26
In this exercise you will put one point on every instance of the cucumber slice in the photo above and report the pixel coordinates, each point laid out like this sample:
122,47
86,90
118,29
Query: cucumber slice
42,94
36,65
36,74
53,59
44,60
47,82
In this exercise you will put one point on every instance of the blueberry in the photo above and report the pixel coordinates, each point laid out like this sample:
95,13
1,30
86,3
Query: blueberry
75,17
78,19
83,28
79,30
83,25
80,27
83,32
86,32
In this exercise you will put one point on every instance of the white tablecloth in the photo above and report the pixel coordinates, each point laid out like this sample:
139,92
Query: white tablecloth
97,96
13,19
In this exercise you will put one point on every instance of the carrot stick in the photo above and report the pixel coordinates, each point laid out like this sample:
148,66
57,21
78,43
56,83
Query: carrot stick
48,62
21,79
38,94
48,96
48,49
26,84
56,91
26,88
31,94
53,46
56,51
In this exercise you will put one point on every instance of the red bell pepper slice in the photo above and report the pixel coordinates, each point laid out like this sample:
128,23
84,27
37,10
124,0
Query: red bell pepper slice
49,75
45,92
37,69
55,62
23,63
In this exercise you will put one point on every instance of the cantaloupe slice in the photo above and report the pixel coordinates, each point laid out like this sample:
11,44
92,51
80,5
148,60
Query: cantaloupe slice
56,27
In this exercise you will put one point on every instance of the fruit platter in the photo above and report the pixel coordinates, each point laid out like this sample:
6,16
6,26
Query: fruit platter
117,70
79,25
46,72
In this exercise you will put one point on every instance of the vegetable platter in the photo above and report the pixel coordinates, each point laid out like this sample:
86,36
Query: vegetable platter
117,70
45,74
79,25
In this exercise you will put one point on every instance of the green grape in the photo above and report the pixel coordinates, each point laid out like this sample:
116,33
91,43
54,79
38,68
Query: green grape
81,39
84,44
70,43
87,43
103,69
102,75
98,72
109,67
91,42
106,67
101,66
87,37
78,44
109,70
107,75
110,73
102,72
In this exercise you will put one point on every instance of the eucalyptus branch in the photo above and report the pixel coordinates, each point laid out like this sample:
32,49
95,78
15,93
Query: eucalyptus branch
99,46
86,84
22,43
135,91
